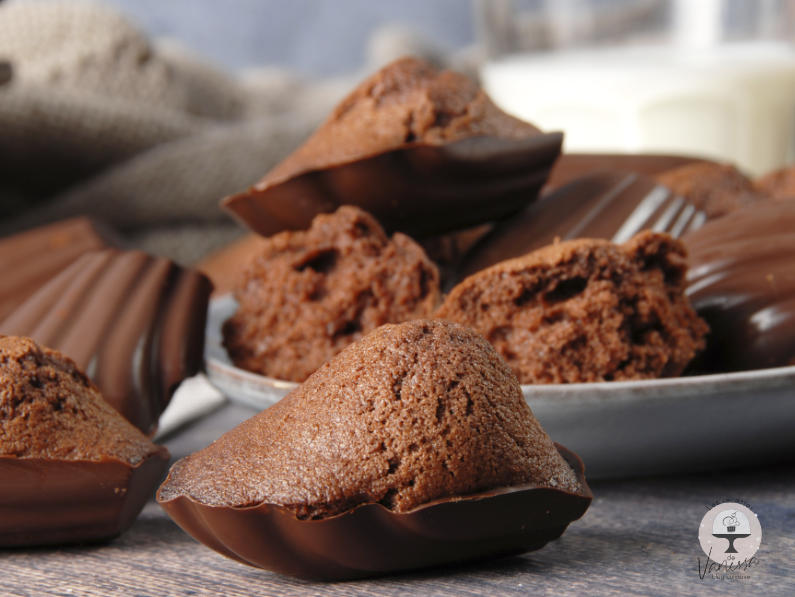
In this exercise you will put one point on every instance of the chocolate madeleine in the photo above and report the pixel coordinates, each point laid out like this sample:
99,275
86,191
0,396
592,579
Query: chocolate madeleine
571,166
412,447
611,205
778,184
716,189
308,294
71,468
585,310
425,152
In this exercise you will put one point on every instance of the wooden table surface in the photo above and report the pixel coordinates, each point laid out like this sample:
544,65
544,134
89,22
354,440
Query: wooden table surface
638,538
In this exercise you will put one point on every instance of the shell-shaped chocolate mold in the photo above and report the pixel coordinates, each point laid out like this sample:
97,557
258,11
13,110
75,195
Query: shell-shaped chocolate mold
28,259
133,322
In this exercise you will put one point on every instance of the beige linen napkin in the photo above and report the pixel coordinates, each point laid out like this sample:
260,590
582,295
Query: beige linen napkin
98,119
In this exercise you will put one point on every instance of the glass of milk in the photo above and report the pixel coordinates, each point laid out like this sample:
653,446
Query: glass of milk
705,78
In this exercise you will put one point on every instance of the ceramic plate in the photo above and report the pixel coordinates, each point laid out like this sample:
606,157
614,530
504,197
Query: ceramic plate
620,429
238,384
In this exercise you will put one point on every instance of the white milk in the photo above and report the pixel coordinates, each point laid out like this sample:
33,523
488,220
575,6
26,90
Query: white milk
732,102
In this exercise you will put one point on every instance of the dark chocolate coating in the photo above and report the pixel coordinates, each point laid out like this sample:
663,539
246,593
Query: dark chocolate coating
742,281
49,502
370,540
418,189
609,205
134,323
571,166
30,258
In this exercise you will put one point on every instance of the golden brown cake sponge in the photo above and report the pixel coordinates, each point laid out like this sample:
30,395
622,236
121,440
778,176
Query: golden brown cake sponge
407,101
308,294
49,409
585,310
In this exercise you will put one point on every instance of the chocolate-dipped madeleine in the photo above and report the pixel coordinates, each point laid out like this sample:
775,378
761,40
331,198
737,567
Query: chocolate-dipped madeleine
613,205
778,184
135,324
585,310
71,468
570,166
715,189
412,447
742,282
424,151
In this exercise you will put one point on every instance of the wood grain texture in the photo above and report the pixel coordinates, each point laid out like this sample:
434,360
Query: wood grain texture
638,538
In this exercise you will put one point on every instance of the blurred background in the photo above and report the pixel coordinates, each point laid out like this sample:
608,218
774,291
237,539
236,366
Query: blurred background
315,38
145,113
